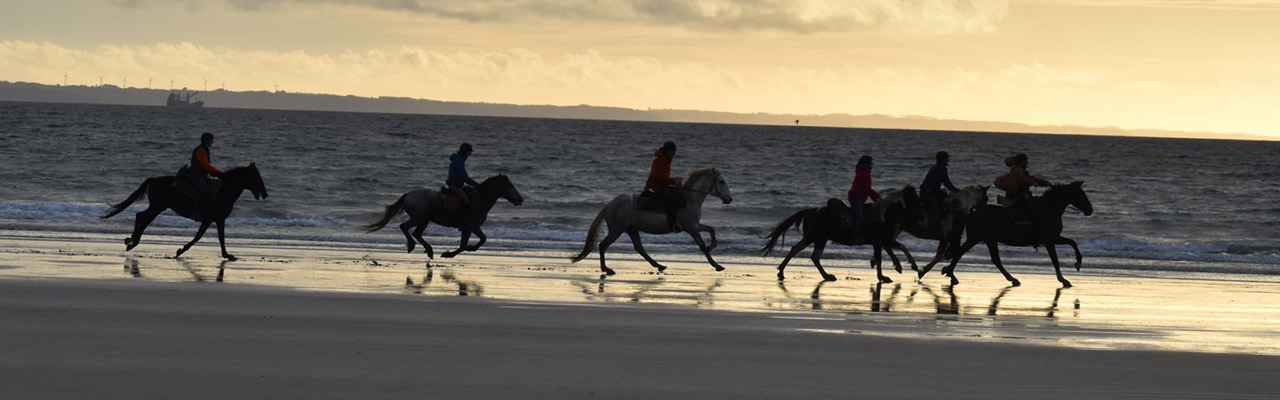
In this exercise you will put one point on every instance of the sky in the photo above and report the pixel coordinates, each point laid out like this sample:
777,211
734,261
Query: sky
1185,65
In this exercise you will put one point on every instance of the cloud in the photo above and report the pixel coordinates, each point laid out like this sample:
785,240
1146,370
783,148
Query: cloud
795,16
1191,4
1033,92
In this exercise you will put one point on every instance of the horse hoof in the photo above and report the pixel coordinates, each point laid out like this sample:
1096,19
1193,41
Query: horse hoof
954,281
1077,267
661,268
448,254
885,279
781,278
229,257
829,278
1015,283
718,268
897,268
1066,284
609,271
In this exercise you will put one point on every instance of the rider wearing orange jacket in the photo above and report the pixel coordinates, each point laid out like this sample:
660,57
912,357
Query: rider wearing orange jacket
663,185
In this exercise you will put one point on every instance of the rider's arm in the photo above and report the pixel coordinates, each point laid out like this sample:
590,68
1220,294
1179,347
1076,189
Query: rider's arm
202,157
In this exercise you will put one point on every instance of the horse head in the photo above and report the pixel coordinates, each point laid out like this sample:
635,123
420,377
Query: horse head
501,185
711,182
250,178
1072,194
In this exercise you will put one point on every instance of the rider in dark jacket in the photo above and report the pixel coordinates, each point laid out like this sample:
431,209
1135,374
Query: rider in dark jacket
931,189
458,179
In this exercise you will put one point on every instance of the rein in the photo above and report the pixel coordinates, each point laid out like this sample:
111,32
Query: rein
715,190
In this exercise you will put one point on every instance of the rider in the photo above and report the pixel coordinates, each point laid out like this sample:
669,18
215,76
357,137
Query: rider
931,189
1017,185
861,190
458,178
201,170
663,185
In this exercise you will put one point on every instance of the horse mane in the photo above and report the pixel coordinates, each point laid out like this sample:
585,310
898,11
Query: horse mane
1053,188
696,175
895,195
494,179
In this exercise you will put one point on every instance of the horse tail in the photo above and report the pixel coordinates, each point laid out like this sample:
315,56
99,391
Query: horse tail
133,198
593,233
392,210
780,231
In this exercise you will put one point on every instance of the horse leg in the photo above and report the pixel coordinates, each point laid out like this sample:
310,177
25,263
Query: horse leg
199,233
140,222
804,242
706,250
409,242
993,247
426,247
635,242
222,241
907,253
1072,243
875,259
950,269
712,231
817,260
479,235
604,245
897,265
466,237
937,256
1053,256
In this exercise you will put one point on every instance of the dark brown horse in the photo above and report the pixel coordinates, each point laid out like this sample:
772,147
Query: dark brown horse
819,225
425,206
993,224
161,195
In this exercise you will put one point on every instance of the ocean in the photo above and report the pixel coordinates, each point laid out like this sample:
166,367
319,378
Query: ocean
1168,205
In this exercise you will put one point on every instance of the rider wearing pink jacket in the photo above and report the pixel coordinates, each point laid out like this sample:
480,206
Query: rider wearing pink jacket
861,189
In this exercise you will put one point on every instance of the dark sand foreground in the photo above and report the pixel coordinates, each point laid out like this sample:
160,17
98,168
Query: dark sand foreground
80,319
113,339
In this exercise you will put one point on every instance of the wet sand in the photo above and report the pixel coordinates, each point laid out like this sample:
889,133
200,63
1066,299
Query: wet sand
84,319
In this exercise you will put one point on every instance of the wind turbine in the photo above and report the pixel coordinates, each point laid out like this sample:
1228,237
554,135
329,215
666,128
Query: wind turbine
100,78
206,85
124,83
148,83
64,79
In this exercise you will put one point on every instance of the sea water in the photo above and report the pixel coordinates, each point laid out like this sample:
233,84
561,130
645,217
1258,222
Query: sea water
1174,205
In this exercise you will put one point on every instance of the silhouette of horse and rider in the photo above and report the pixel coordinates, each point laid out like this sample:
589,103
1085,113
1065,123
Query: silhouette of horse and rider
938,211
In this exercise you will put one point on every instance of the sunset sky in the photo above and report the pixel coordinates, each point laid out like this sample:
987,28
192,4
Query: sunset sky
1210,66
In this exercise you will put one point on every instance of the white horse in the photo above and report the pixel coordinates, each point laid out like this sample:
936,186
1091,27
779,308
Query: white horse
622,216
947,232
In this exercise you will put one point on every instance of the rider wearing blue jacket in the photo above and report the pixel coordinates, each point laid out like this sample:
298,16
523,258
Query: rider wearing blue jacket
458,178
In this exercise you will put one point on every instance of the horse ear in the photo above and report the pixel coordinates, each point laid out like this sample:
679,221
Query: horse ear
1078,183
253,165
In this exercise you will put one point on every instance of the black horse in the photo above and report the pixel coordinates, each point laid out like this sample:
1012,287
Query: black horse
993,224
161,195
819,225
425,206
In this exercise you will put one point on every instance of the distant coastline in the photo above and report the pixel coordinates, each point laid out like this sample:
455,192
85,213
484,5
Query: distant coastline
111,94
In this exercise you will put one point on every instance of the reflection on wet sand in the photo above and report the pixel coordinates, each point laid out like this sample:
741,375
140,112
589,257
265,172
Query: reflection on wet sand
132,266
1165,313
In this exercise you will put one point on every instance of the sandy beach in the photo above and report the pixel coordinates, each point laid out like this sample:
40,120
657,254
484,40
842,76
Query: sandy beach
83,319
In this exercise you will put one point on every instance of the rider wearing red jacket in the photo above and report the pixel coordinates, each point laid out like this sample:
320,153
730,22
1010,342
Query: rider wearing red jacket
663,185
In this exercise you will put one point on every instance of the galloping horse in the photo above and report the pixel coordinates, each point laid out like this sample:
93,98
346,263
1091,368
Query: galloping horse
623,216
819,225
993,224
425,206
161,195
947,232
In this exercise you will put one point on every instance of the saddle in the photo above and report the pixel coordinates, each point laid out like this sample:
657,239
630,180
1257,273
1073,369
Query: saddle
650,201
452,203
182,184
1020,210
